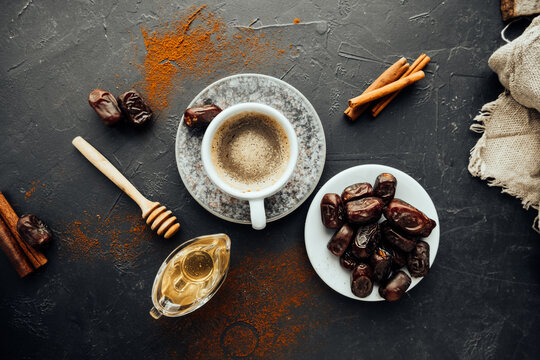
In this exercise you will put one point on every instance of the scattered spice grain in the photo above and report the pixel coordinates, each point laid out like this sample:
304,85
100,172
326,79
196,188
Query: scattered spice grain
32,190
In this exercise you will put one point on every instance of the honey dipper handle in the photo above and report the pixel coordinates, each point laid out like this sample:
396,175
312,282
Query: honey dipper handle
110,171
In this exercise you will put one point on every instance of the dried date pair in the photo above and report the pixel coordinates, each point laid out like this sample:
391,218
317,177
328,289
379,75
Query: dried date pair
408,219
367,245
363,277
381,262
418,265
359,245
413,253
384,188
111,111
363,204
407,251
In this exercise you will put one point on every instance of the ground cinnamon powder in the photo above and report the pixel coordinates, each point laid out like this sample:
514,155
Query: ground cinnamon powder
195,46
263,309
121,238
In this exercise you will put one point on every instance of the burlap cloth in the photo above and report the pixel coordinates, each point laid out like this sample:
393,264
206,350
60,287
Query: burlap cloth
508,153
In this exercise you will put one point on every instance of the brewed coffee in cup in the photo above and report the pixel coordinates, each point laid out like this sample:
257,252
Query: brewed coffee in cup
250,151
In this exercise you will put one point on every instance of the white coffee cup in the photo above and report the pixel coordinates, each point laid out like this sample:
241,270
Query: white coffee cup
255,197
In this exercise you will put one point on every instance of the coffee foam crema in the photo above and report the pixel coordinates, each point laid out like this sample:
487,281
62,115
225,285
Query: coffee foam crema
250,151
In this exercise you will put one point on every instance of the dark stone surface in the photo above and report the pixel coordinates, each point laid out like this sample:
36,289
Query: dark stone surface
480,300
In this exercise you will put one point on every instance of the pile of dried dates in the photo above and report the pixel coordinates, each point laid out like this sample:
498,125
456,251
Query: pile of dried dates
373,251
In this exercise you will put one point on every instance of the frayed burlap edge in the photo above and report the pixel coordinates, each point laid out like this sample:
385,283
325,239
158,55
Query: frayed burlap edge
478,168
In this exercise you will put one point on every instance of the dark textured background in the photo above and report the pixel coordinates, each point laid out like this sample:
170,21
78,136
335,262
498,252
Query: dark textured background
480,300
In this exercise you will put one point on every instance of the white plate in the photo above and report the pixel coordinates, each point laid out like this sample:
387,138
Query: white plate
317,235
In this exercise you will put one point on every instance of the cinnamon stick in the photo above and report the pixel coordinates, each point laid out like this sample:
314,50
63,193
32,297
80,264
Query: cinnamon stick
10,218
16,256
417,65
387,89
388,76
354,113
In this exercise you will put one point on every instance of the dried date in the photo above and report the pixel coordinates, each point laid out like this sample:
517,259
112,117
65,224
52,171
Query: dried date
341,240
399,258
408,218
34,231
362,280
396,239
134,107
365,210
418,260
381,262
385,187
357,191
396,286
106,106
348,261
365,241
201,116
332,213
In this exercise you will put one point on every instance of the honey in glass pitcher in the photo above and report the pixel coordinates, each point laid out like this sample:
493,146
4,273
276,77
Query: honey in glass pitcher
191,275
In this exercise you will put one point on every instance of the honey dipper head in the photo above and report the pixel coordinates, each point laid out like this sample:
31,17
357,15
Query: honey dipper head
162,221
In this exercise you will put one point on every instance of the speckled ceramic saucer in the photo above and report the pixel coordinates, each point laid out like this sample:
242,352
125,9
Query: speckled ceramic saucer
311,143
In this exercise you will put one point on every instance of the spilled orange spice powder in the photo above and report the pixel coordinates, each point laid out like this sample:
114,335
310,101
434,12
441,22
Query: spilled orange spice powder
195,46
121,238
263,309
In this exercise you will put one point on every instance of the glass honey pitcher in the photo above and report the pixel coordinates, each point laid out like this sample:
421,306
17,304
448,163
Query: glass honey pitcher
191,275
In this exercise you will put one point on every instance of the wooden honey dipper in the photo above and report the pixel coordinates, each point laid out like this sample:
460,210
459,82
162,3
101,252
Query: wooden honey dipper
162,220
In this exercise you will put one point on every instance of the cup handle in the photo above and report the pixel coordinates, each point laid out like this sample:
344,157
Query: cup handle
258,216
